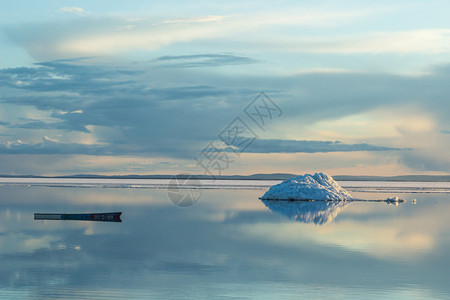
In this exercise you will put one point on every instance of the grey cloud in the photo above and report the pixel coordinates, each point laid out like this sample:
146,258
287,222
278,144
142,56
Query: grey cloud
111,99
50,147
294,146
145,113
424,161
204,60
175,112
38,124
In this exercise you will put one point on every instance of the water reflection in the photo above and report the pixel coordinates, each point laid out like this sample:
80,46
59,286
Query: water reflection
317,212
229,245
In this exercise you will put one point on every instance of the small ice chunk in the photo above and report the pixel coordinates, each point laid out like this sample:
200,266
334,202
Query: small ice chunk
319,186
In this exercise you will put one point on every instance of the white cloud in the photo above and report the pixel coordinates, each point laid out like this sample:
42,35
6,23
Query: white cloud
195,20
386,123
429,41
21,83
73,10
309,17
48,139
324,71
107,36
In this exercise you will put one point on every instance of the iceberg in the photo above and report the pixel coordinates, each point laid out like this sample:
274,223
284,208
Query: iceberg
314,198
319,186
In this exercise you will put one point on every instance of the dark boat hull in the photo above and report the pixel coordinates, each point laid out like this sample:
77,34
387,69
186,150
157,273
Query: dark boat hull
101,217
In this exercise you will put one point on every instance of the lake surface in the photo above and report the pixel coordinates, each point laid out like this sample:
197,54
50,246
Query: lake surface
229,245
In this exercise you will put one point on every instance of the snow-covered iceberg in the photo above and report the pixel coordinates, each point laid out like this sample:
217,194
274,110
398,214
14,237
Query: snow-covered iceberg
319,186
317,212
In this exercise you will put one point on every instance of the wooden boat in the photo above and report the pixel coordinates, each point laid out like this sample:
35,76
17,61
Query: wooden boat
102,217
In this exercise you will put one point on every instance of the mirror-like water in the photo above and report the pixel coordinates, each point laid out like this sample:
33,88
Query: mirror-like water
229,245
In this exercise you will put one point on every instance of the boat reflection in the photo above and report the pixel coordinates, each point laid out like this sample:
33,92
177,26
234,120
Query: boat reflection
317,212
101,217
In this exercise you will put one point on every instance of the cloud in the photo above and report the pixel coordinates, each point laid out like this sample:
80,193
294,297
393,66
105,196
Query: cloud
205,19
424,161
294,146
153,110
425,41
51,146
105,36
54,146
38,124
204,60
73,9
113,35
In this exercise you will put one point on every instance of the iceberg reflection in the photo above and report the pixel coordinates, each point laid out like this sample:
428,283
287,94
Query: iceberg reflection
317,212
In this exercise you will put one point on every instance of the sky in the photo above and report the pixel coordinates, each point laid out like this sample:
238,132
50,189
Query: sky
242,87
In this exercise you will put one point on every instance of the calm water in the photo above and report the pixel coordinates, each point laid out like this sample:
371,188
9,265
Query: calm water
230,245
